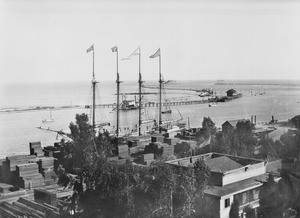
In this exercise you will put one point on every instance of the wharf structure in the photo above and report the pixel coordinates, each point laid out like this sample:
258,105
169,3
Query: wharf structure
232,178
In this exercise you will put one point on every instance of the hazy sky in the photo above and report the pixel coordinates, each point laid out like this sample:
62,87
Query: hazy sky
209,39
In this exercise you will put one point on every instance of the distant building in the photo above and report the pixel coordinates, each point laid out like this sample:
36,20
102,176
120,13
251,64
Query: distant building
230,125
230,92
233,178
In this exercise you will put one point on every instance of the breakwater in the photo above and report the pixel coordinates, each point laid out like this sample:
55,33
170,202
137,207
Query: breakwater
147,104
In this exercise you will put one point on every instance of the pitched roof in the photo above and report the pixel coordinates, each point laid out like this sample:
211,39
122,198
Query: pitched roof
222,164
234,122
236,187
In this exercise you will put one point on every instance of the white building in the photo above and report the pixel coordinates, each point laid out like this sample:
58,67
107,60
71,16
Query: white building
232,178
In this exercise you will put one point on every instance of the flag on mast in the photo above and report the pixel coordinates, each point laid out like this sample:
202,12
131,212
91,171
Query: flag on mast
156,54
136,52
90,49
114,49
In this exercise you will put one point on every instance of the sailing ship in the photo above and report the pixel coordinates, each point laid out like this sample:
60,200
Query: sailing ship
168,125
48,120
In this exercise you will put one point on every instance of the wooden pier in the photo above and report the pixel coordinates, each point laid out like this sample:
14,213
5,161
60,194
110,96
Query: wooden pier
156,104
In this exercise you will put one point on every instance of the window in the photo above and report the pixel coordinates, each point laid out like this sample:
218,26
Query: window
227,202
255,194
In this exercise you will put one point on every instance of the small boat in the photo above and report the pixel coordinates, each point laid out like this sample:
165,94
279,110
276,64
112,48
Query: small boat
48,120
212,105
167,112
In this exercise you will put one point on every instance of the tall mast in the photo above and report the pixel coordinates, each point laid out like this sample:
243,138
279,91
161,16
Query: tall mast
118,93
160,87
94,82
140,93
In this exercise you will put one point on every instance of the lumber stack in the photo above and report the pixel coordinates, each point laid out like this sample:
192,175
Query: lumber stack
44,196
143,142
5,188
155,148
46,168
167,149
8,170
41,209
157,138
36,149
53,151
1,161
123,151
132,142
29,176
171,141
148,158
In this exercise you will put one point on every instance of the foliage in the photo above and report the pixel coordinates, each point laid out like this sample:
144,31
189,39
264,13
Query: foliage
291,144
208,127
270,199
234,210
127,190
269,148
250,212
240,142
85,143
110,189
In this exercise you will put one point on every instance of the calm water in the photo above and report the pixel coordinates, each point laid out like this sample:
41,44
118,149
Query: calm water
280,99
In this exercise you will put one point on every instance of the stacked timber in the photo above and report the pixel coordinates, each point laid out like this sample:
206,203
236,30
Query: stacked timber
38,208
53,151
132,142
155,148
171,141
5,188
8,170
36,149
1,161
46,168
143,142
157,138
148,158
123,151
44,196
29,176
167,149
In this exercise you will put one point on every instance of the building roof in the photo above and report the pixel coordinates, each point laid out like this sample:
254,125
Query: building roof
222,164
231,90
237,187
234,122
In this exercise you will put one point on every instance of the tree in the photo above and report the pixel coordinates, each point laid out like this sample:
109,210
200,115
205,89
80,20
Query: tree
270,200
110,189
291,144
245,141
209,127
268,148
234,210
250,212
162,188
82,143
85,143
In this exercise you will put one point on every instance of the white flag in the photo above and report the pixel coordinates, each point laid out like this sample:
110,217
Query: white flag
157,53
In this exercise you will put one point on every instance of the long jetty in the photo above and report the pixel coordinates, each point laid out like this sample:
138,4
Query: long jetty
109,105
156,104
